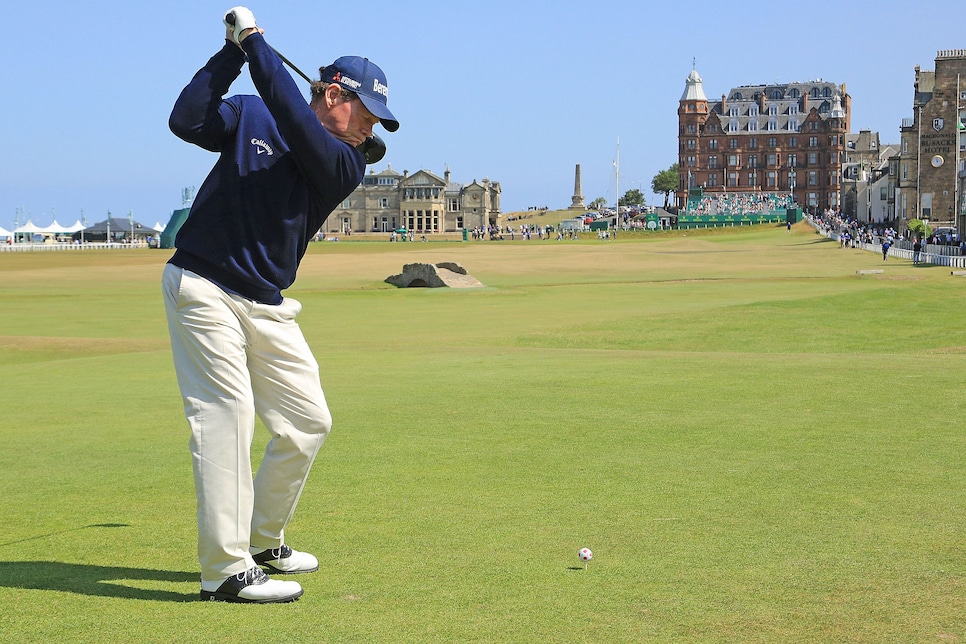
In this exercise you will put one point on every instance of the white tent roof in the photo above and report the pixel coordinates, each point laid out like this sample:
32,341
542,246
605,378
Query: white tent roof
54,228
4,232
28,228
77,227
158,227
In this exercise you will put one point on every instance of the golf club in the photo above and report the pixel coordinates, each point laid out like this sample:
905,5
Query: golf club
373,148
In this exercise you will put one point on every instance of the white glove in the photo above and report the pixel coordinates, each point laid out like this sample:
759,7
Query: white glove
237,20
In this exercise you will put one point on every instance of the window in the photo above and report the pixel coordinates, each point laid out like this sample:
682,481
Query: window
713,161
692,162
753,125
793,125
792,160
772,110
777,94
773,159
692,128
732,179
733,110
773,142
737,96
814,92
733,160
793,108
733,144
346,204
454,205
905,171
733,125
927,205
753,178
794,93
753,143
813,141
793,141
752,160
772,180
753,110
772,125
713,179
813,158
384,202
713,144
813,177
692,144
827,92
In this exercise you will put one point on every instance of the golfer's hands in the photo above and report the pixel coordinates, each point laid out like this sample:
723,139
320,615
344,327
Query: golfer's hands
240,24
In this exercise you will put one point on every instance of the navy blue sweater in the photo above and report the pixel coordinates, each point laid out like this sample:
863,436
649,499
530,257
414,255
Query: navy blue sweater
278,176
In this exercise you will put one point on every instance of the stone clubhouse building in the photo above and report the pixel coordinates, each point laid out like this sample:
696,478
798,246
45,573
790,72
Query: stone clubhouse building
423,203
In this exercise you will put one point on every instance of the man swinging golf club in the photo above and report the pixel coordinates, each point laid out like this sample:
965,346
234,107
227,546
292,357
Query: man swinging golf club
284,165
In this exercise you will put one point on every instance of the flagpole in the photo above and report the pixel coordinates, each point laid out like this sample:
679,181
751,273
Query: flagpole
617,168
956,188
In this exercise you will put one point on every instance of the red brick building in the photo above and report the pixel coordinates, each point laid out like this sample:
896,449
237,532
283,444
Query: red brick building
781,138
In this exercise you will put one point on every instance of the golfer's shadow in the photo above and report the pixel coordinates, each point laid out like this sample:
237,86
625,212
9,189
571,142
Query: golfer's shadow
100,581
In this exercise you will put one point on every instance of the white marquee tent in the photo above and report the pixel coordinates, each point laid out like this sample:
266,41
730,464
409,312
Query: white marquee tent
28,229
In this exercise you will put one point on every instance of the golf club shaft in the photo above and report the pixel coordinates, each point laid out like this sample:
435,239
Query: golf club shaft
230,19
292,65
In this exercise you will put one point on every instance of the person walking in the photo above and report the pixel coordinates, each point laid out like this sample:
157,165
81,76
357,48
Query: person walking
917,250
284,165
886,245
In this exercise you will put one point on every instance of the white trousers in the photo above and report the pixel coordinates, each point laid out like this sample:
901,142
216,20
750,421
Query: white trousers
236,358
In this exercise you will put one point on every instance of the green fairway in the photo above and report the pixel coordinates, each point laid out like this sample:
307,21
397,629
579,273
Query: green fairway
758,443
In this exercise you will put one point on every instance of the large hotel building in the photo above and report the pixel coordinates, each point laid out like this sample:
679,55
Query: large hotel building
930,165
781,138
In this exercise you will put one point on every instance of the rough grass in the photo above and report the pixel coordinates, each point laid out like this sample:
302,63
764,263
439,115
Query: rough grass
757,443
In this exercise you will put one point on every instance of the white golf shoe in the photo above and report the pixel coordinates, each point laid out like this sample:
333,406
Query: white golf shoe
252,586
285,560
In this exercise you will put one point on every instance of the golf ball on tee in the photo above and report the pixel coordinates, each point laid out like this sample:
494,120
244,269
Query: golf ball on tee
585,554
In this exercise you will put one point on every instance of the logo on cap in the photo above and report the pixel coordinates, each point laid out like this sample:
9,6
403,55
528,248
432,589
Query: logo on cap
379,88
345,80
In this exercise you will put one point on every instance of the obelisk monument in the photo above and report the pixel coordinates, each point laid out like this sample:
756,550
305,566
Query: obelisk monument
577,201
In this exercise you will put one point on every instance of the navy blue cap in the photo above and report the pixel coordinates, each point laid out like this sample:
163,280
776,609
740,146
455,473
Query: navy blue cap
358,75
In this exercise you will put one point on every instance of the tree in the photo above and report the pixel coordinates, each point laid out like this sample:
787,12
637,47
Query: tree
665,182
919,227
598,203
633,198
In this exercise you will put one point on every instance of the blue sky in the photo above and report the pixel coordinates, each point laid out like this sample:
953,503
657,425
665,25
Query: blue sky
517,92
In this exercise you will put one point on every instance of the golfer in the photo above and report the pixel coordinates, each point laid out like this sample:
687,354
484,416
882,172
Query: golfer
283,166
